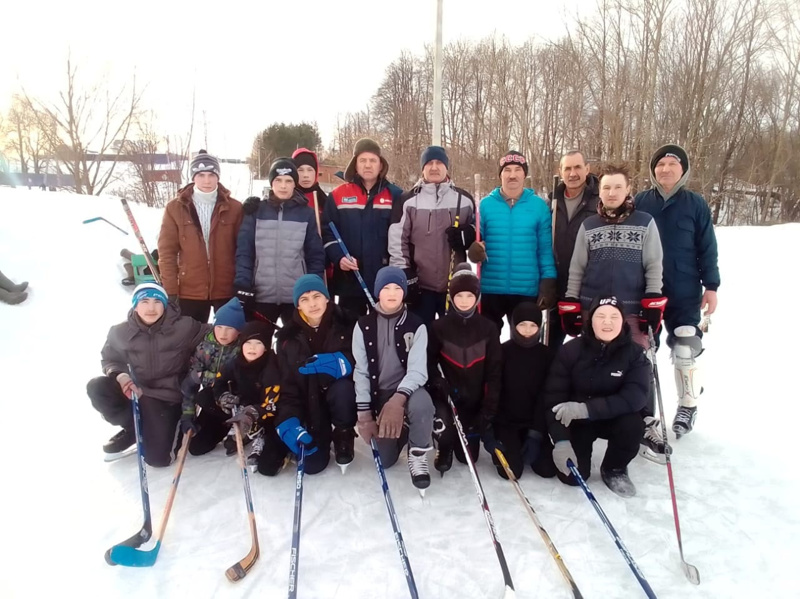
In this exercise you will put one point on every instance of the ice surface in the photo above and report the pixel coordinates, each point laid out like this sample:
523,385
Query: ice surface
64,506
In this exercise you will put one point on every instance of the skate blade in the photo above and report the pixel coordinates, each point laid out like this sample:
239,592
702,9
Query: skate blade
649,454
113,457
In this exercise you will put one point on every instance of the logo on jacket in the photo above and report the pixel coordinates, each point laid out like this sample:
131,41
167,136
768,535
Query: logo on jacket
350,200
409,339
385,200
617,373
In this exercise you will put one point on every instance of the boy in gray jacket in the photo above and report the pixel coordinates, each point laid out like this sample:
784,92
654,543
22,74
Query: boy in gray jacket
390,348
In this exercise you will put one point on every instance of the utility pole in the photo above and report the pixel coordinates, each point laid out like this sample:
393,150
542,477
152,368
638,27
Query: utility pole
437,78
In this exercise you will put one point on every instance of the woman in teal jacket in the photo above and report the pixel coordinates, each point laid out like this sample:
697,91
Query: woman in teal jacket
517,245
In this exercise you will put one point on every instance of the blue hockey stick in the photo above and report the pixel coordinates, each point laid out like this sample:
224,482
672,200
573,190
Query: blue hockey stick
97,218
610,528
294,560
361,282
398,536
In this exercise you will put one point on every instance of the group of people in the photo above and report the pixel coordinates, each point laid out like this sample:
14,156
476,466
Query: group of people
414,334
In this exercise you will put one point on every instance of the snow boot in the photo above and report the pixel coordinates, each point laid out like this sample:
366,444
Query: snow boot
119,445
443,460
12,297
618,481
652,445
9,285
418,467
684,421
343,449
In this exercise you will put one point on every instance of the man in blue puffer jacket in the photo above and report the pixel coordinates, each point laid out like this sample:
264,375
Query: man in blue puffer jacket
690,264
516,246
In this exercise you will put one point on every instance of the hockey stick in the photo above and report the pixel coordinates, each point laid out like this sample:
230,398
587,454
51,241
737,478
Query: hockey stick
553,212
319,231
147,255
398,536
294,560
240,569
477,226
545,537
509,591
123,555
689,570
361,282
97,218
610,528
452,257
146,531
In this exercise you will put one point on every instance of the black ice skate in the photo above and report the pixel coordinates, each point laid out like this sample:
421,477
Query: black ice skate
652,445
443,460
120,445
684,421
343,440
619,482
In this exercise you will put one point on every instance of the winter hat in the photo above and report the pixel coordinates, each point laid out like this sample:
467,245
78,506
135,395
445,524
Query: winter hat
308,283
257,330
434,153
390,274
280,167
513,157
673,150
464,280
305,157
526,311
149,290
605,300
365,145
230,315
203,162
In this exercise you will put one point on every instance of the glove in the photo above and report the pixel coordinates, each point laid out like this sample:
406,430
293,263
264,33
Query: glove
571,317
293,435
547,294
532,447
245,418
227,401
392,416
187,421
460,238
250,205
330,366
570,410
652,312
247,298
412,282
367,427
490,442
477,252
562,452
128,387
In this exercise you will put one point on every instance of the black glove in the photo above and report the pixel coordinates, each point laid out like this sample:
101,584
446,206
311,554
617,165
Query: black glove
227,401
187,422
248,300
490,442
250,205
244,418
547,294
412,281
460,238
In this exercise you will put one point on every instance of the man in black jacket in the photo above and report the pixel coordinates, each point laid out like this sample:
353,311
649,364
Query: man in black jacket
576,200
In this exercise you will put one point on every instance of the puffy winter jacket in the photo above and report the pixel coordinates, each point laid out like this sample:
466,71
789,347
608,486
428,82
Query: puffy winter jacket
256,383
522,393
188,269
419,221
158,354
611,379
518,244
277,245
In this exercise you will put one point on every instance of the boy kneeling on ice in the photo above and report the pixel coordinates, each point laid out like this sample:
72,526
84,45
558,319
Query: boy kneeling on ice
252,382
156,342
214,353
317,391
390,347
466,346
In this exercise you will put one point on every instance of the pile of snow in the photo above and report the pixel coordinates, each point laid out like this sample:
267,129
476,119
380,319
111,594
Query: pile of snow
735,491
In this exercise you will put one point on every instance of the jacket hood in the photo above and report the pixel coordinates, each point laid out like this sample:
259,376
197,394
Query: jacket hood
313,155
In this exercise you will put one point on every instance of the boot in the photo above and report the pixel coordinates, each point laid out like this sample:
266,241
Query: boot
9,285
618,481
418,467
12,297
126,254
684,421
343,449
117,445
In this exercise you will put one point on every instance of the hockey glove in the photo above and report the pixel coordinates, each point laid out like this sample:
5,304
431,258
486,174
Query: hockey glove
293,435
245,418
460,238
247,298
571,318
330,367
562,452
227,401
187,421
570,410
490,442
412,284
652,312
250,205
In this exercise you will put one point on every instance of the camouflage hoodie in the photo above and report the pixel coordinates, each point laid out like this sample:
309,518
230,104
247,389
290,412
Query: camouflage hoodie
208,359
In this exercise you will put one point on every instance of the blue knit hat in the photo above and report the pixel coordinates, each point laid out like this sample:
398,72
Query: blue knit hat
308,283
434,153
230,315
149,290
390,274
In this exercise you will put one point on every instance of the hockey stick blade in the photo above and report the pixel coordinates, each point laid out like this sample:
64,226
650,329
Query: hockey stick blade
240,569
509,593
692,573
137,540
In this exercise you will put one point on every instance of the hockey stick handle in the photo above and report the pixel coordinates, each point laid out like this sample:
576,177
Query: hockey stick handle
610,528
361,281
294,557
319,231
174,488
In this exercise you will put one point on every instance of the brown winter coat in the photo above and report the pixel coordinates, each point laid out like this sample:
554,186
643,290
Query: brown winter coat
158,355
186,268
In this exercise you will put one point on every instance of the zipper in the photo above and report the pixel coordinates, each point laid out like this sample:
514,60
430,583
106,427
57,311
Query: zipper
277,253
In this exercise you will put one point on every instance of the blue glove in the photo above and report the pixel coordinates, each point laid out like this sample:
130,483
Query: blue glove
532,447
293,434
490,442
334,366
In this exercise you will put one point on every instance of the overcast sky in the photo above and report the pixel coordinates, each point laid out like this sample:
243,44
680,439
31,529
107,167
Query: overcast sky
244,58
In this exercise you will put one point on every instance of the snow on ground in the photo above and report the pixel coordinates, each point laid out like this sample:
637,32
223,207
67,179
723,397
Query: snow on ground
736,495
